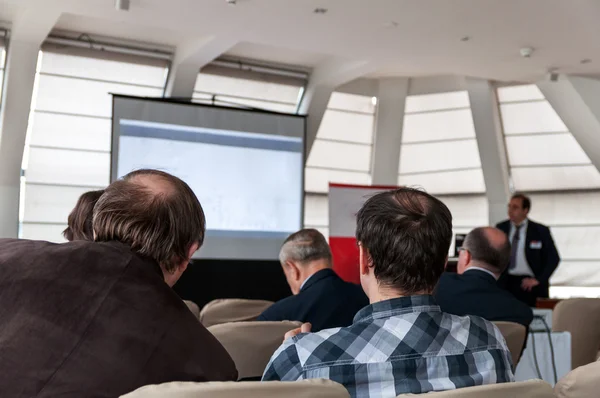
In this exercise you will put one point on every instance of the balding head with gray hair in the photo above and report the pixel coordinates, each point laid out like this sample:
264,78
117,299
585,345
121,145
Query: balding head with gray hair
305,246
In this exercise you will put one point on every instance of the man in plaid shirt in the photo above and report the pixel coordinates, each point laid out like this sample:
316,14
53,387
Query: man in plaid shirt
402,342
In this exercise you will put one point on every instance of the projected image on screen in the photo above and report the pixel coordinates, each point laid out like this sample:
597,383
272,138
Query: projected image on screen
249,183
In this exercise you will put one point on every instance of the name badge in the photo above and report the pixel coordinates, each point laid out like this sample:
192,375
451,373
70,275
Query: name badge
535,244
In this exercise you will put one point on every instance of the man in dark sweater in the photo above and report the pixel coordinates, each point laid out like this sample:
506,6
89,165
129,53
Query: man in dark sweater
320,296
99,319
473,290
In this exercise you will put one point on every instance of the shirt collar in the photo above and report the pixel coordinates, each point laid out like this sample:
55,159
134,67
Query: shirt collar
523,224
306,280
487,271
397,306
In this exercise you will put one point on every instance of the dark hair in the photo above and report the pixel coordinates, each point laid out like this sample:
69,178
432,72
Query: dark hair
525,201
407,233
155,213
79,222
496,256
305,246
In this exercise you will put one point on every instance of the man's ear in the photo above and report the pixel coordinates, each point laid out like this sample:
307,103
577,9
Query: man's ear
364,260
293,270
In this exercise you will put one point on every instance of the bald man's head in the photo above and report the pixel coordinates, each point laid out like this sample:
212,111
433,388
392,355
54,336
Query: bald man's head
153,212
489,248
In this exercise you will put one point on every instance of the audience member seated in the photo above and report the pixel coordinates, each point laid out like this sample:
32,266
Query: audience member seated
100,318
79,223
402,342
320,296
474,290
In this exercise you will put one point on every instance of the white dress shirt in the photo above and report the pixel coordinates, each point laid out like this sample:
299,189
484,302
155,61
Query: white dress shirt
522,267
487,271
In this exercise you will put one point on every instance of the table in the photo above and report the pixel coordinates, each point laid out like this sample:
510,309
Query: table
526,369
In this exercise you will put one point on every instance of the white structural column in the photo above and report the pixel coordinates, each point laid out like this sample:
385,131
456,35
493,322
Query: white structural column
577,102
490,141
389,120
190,57
322,82
27,34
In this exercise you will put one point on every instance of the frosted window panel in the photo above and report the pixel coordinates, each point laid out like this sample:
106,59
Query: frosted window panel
448,182
552,178
438,126
566,208
351,102
316,210
244,102
215,84
2,58
338,155
68,167
530,117
526,92
545,149
47,203
103,69
438,101
317,180
345,126
439,156
577,242
83,97
65,131
577,273
467,211
47,232
574,291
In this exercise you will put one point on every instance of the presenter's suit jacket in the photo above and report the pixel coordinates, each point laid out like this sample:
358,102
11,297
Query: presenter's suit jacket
540,252
477,293
85,319
325,300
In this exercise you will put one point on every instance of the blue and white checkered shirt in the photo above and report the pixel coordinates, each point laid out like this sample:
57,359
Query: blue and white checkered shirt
398,346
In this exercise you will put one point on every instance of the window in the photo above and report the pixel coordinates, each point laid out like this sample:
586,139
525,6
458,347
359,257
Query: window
439,153
341,153
69,134
543,155
247,90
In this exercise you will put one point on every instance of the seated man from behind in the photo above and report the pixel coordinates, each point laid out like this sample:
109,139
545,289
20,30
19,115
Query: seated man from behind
402,342
100,319
473,290
320,296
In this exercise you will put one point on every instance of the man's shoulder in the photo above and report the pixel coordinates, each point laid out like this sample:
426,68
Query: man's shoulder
538,226
503,225
481,332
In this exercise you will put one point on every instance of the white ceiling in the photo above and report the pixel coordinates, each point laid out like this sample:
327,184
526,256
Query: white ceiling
401,37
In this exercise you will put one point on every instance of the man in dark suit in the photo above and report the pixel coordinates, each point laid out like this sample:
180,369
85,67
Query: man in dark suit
473,290
320,296
99,319
533,256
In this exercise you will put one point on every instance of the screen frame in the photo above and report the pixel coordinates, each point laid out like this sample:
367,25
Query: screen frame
114,145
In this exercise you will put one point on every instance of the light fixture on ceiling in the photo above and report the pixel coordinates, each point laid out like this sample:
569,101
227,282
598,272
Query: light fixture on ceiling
465,38
320,10
552,74
122,5
231,2
585,61
526,52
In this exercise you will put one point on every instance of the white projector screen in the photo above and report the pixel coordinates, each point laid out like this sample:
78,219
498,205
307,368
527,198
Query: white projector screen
245,166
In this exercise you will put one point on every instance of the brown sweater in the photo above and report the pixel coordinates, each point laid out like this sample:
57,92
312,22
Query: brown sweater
86,319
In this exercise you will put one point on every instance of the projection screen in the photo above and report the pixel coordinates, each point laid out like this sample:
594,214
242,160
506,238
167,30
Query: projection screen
245,166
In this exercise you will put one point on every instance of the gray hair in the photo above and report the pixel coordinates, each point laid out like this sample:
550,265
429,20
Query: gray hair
305,246
495,254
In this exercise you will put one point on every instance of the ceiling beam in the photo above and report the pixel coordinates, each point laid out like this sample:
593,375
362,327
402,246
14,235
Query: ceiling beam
189,58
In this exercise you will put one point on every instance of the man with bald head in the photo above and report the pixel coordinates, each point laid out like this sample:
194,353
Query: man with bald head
473,290
99,319
320,298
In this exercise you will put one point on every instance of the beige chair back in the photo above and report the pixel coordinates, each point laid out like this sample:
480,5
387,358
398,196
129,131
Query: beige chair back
580,317
523,389
251,344
193,308
232,310
315,388
583,382
514,334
